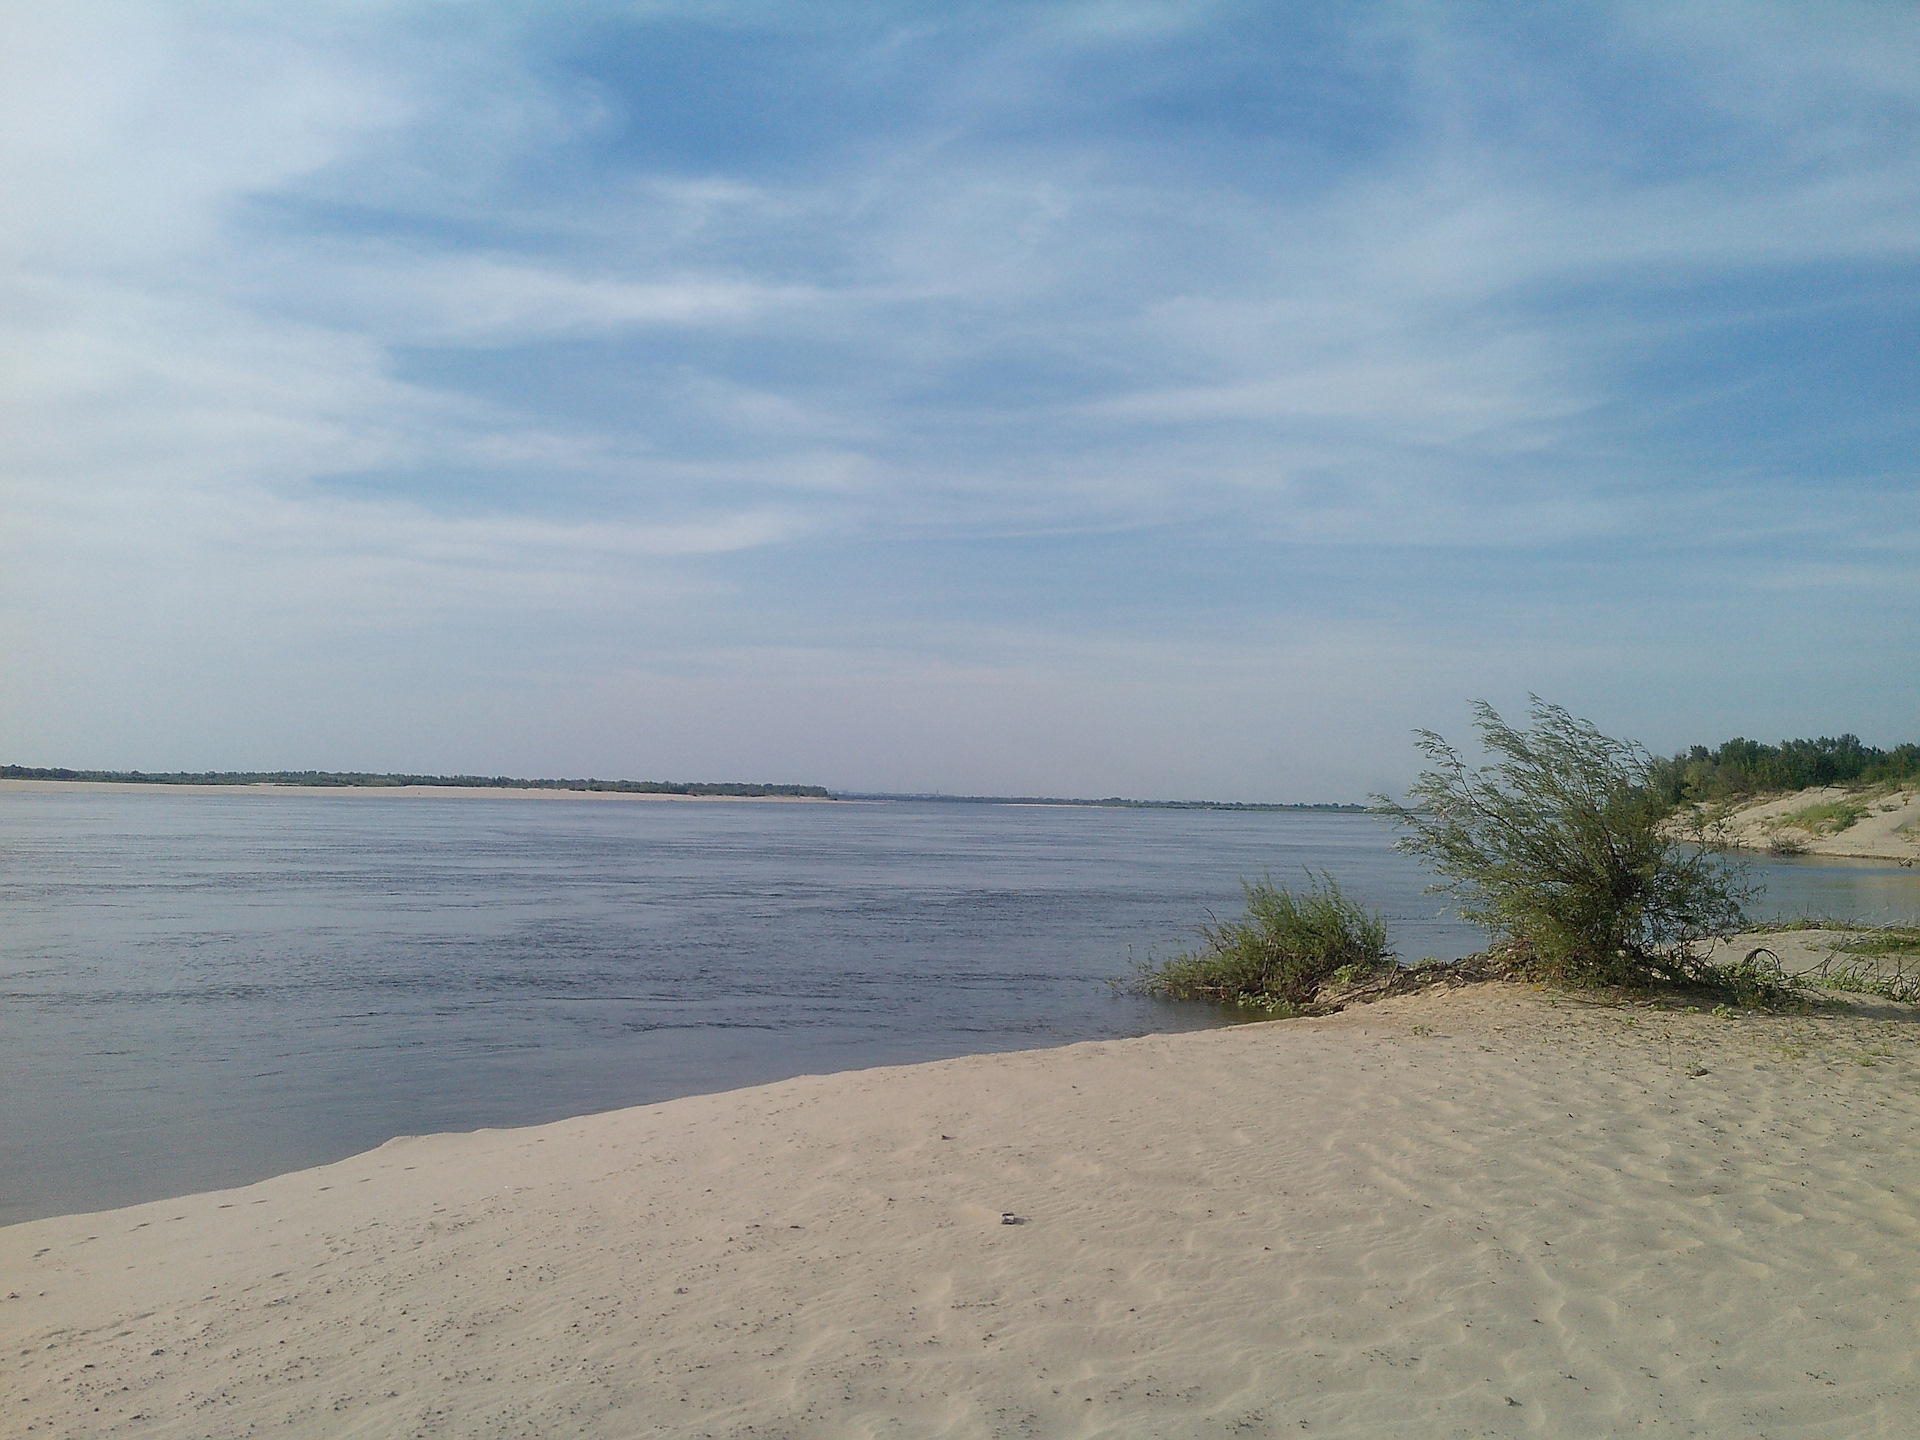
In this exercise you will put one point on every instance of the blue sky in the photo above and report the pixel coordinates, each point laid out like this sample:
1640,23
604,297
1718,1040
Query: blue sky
1160,399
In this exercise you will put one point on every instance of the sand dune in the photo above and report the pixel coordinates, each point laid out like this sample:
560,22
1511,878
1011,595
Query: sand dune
1479,1212
1887,827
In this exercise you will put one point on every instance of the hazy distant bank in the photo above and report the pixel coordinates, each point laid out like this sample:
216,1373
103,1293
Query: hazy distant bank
455,792
364,780
336,782
1111,802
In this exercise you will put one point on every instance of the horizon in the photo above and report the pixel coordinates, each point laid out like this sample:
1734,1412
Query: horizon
294,779
1105,397
1737,765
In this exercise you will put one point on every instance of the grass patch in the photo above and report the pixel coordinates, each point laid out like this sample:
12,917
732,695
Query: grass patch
1808,922
1884,940
1881,960
1829,817
1902,983
1277,955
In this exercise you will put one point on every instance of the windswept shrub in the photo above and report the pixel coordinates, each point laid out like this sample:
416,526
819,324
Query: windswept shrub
1562,845
1277,955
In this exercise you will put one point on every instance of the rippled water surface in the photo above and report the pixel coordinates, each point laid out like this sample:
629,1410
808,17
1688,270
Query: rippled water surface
201,990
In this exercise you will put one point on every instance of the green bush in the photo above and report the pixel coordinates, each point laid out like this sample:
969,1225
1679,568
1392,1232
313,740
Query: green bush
1562,847
1277,955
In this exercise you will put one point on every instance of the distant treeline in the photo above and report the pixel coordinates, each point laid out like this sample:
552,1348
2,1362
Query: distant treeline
353,779
1112,802
1747,767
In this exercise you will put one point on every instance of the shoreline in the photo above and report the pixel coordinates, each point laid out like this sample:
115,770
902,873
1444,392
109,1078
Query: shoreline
27,785
1486,1208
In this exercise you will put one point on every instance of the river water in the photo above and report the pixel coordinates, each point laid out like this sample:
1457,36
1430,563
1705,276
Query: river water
202,990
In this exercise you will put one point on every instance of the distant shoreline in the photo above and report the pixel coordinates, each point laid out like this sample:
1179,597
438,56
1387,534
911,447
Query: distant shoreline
1112,802
325,782
14,785
355,780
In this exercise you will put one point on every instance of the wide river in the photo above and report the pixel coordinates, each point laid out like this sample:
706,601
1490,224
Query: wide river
202,990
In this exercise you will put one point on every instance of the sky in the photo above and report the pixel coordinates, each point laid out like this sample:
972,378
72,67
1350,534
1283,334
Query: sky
1175,400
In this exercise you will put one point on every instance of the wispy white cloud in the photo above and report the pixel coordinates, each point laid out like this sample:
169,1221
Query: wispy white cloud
479,301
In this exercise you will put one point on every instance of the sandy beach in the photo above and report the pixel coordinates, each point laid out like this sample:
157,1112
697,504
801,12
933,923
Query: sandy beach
1486,1211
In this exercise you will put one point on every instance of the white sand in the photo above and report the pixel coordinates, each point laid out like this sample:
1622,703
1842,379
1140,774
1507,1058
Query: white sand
1522,1217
